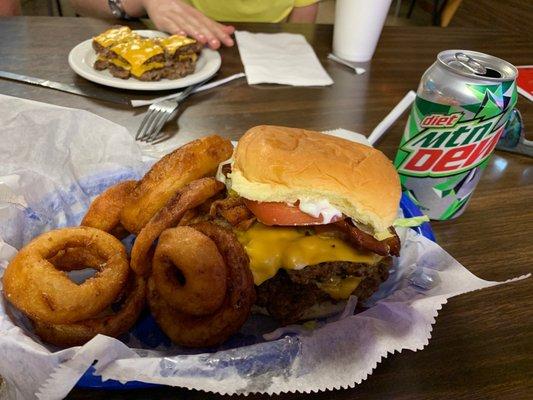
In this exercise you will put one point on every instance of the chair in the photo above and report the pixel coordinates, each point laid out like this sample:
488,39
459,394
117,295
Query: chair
512,15
54,4
438,7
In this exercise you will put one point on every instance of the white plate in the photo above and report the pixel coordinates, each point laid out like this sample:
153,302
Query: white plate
82,57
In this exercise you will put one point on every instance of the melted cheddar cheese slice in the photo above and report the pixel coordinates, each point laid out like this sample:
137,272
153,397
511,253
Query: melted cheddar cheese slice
174,42
114,36
139,70
137,52
271,248
187,57
340,289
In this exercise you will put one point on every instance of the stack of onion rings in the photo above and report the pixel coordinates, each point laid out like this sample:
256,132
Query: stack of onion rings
190,315
42,291
201,289
64,312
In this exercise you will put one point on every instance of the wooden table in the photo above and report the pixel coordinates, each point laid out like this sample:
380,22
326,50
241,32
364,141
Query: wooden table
482,342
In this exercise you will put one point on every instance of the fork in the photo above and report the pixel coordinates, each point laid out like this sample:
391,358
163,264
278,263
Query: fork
159,114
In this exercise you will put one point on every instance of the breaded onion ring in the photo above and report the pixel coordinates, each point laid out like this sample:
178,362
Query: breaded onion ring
45,292
213,329
118,320
194,160
191,196
190,283
104,212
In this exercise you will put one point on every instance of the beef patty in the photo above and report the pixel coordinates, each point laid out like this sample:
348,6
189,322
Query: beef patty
287,295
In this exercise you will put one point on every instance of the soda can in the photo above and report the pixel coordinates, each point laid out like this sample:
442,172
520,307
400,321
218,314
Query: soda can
463,103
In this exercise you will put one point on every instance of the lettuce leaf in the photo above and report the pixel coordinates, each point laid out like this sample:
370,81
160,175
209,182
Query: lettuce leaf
410,222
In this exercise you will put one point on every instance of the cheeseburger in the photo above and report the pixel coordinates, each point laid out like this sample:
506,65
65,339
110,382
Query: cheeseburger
314,213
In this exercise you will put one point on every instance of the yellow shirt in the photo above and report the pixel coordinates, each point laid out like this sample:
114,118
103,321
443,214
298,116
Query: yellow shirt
248,10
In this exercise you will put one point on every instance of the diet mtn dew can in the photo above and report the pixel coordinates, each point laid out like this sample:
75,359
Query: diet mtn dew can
463,102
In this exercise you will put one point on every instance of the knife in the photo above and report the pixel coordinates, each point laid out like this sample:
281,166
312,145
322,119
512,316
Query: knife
63,87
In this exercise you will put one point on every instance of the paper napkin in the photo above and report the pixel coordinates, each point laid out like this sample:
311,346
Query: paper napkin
283,58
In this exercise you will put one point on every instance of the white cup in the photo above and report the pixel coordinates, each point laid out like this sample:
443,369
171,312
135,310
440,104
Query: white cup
358,24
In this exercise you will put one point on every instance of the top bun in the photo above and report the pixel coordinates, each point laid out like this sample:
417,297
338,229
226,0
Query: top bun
275,163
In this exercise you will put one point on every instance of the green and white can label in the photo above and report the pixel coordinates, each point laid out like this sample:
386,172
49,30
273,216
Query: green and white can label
445,148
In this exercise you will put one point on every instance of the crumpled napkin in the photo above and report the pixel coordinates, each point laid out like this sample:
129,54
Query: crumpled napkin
55,160
283,58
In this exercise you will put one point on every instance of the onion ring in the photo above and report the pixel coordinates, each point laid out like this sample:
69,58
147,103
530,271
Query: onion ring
191,196
213,329
104,211
44,292
129,305
194,160
201,287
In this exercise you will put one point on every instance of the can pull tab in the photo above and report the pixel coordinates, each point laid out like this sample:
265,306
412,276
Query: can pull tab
468,62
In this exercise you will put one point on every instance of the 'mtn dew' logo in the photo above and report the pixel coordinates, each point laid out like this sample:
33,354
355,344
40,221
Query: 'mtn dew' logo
445,146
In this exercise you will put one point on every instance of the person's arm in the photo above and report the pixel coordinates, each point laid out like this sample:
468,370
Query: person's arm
173,16
92,8
304,13
9,8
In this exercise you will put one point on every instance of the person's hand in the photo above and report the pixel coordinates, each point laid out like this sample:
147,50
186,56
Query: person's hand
176,17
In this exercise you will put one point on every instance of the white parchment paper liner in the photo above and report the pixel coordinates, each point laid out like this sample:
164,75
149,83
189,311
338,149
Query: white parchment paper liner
55,160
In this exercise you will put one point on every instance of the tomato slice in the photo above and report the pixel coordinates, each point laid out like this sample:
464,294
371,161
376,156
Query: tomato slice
277,213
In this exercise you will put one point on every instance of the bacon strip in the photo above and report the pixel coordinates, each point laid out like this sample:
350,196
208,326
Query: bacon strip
233,210
361,239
